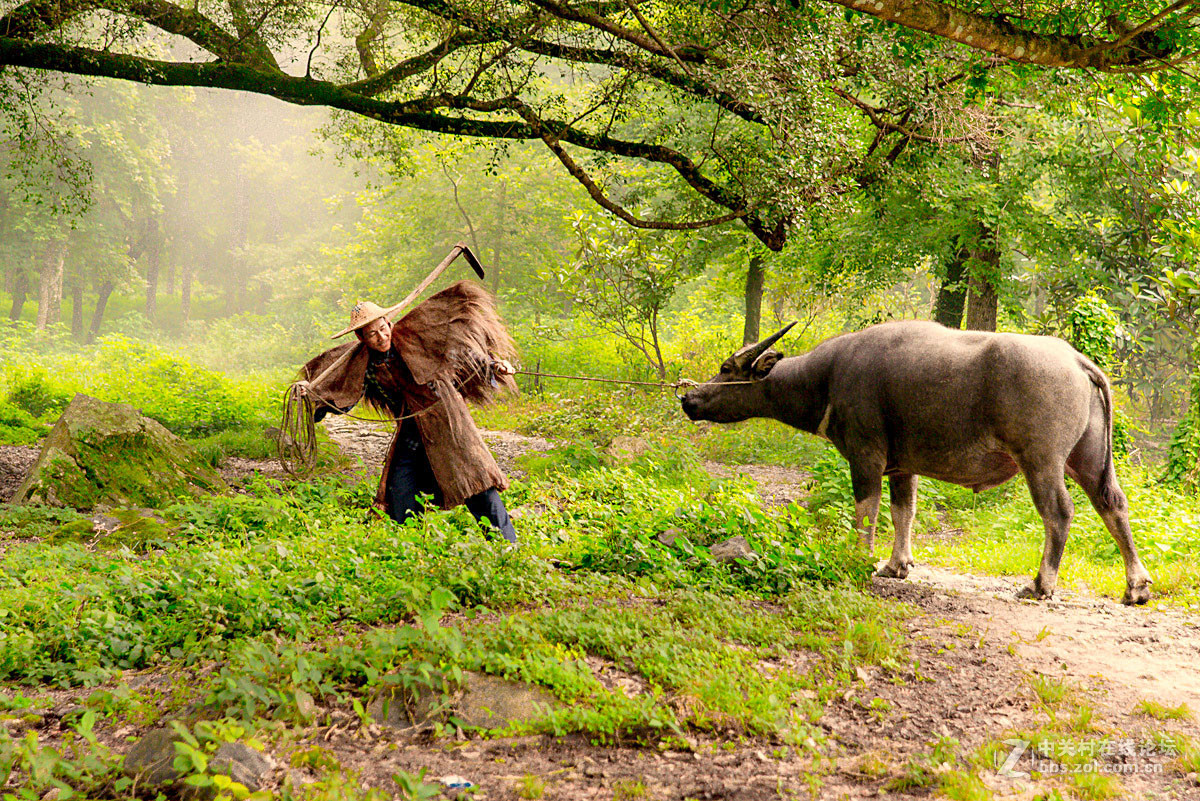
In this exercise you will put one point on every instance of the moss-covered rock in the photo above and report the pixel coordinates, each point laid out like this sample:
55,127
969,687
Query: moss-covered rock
109,454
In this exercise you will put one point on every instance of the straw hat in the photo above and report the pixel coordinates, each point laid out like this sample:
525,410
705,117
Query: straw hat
365,312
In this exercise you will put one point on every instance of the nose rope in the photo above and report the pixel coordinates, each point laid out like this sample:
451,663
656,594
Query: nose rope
683,383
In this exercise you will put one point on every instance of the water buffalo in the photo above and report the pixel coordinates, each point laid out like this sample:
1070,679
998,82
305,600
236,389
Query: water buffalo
908,399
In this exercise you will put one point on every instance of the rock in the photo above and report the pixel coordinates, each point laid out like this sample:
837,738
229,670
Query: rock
487,702
731,549
71,715
669,536
243,764
398,708
626,449
306,707
150,760
110,454
490,702
150,763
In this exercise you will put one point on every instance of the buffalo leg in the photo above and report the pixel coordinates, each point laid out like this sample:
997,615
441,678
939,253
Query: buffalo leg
868,489
1089,465
1048,488
903,489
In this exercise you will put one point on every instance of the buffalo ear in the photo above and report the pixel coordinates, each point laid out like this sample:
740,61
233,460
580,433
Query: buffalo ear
763,364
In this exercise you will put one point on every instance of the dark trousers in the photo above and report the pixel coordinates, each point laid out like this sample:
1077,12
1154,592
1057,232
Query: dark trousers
411,476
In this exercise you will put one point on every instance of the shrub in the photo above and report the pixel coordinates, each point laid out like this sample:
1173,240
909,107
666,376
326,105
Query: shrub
191,401
17,426
36,396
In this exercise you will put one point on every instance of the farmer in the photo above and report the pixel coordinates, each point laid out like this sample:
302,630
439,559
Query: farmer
420,371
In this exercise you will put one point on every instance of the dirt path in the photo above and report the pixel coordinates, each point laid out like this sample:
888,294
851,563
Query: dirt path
1135,653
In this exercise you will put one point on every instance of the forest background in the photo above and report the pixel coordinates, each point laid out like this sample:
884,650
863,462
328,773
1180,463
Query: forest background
806,163
650,186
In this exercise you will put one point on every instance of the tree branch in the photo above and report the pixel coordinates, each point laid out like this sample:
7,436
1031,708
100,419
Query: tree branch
415,65
997,35
419,114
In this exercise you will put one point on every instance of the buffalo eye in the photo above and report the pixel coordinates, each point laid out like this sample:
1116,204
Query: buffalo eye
725,369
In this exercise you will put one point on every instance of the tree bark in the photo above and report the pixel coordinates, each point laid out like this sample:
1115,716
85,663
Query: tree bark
983,302
153,265
498,240
185,294
20,290
753,298
102,295
995,34
50,284
77,309
952,295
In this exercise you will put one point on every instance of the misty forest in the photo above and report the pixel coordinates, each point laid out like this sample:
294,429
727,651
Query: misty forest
598,529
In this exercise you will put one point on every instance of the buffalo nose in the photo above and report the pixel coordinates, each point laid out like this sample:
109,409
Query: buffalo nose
689,405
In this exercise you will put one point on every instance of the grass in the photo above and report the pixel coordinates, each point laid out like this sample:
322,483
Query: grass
1049,690
264,584
288,593
530,786
1153,709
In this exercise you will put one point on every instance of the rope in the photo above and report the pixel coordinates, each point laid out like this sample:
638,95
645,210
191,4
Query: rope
298,437
675,385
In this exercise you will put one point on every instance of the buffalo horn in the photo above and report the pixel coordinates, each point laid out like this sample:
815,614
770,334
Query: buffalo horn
752,352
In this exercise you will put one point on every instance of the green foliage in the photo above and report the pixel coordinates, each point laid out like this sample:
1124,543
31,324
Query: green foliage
39,397
18,427
1093,329
80,764
1183,457
189,400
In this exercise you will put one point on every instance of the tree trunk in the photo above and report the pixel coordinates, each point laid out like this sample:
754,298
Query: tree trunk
20,290
153,265
952,295
77,309
982,308
185,294
498,242
98,313
50,284
754,293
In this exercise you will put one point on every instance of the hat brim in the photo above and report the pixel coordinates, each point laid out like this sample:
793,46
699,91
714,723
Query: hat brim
388,312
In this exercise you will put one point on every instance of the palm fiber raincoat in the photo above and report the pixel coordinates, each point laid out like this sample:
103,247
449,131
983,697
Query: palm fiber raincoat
447,347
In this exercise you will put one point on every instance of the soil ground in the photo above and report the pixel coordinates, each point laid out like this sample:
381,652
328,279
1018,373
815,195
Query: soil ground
975,650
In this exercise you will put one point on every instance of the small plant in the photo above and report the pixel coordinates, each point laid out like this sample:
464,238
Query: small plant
1082,719
415,788
1188,760
629,790
879,708
871,765
316,759
1049,690
1153,709
962,786
1096,786
530,786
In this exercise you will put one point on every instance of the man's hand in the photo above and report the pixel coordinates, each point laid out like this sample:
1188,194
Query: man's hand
503,367
302,388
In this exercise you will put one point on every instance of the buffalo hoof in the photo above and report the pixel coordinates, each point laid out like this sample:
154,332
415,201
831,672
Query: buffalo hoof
1136,596
1033,592
899,571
